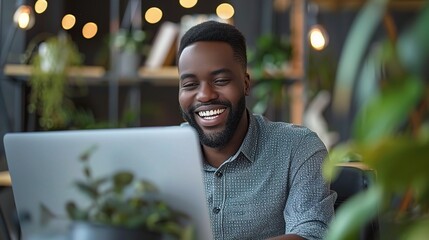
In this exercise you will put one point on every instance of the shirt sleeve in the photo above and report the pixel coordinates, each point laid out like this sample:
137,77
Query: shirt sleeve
310,203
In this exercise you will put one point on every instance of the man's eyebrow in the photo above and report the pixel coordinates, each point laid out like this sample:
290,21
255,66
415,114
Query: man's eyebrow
219,71
186,75
213,73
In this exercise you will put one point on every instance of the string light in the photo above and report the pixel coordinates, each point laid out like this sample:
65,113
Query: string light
225,11
68,21
153,15
89,30
40,6
188,3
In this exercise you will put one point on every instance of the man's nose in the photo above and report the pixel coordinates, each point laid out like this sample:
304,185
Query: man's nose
206,93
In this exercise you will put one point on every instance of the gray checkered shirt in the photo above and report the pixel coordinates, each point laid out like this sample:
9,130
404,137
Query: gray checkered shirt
273,185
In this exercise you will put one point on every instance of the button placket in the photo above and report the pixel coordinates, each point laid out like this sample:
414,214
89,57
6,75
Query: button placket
218,198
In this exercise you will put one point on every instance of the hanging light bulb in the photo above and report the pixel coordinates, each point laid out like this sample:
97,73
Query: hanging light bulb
24,17
318,37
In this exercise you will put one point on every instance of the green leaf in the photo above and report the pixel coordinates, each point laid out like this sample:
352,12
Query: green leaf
354,214
73,212
400,162
145,186
46,215
87,189
357,41
84,157
121,180
417,231
342,153
189,233
412,45
383,115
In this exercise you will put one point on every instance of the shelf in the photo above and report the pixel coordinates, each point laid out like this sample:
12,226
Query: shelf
165,76
21,70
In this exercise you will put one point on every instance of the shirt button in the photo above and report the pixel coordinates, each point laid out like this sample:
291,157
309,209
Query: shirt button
219,174
216,210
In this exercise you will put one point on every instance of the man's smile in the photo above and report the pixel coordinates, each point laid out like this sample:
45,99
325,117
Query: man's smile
210,114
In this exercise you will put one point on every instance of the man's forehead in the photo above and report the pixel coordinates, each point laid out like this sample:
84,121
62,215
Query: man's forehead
208,45
204,49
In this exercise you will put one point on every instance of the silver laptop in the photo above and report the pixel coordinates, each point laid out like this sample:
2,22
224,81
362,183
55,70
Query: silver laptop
43,166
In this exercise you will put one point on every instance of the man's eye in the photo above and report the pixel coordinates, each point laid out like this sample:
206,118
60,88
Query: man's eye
221,81
189,85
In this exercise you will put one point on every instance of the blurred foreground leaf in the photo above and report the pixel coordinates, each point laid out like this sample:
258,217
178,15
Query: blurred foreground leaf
354,213
384,114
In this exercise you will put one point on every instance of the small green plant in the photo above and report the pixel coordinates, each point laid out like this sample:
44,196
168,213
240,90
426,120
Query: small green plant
270,57
130,40
124,201
50,94
269,61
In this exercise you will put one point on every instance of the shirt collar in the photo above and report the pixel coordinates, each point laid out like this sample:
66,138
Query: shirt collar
250,142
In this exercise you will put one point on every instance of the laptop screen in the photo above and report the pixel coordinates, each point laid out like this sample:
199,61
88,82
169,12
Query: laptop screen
44,165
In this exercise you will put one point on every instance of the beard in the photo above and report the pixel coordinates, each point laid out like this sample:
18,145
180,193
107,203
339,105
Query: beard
219,139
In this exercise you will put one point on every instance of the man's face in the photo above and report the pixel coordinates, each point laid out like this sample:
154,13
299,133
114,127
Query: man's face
212,91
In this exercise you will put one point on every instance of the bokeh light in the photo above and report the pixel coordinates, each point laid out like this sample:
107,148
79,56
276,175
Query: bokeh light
89,30
24,17
225,11
188,3
68,21
40,6
153,15
318,37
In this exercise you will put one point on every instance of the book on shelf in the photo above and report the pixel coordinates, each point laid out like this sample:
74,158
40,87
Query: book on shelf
164,46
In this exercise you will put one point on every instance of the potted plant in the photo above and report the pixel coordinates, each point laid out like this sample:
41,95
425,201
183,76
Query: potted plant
269,62
130,45
123,207
50,95
390,132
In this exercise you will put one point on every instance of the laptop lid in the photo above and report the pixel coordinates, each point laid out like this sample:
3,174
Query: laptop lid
43,166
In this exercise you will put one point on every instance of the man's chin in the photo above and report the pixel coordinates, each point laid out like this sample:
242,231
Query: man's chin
212,141
210,137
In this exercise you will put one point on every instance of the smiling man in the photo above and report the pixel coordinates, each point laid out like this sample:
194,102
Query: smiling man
263,179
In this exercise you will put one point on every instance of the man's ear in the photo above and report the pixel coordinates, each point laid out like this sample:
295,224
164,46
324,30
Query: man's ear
247,84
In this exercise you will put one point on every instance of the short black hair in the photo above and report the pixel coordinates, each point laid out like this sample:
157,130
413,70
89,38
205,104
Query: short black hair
216,32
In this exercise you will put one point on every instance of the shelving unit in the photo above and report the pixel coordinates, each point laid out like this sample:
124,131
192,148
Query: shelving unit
93,76
298,30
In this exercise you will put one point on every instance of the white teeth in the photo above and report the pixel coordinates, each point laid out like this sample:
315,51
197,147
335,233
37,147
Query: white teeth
210,114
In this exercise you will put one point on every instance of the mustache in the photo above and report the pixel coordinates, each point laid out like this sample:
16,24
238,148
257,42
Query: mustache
215,102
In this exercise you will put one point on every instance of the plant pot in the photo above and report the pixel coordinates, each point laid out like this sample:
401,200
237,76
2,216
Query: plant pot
128,64
95,231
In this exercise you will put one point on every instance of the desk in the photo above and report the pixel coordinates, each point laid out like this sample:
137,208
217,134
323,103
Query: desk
96,75
5,180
